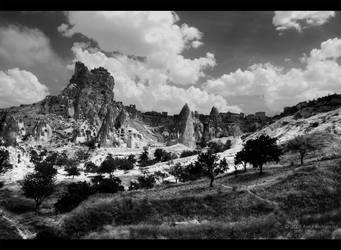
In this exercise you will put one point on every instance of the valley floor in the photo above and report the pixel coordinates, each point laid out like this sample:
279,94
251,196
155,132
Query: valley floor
285,202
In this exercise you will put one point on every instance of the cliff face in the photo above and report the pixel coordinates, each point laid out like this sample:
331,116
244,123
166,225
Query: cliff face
84,111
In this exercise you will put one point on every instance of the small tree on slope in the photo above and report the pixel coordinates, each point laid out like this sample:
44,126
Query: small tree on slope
210,166
262,150
302,145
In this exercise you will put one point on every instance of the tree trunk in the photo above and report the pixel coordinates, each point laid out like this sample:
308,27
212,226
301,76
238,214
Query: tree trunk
235,172
211,182
38,203
261,169
301,156
244,167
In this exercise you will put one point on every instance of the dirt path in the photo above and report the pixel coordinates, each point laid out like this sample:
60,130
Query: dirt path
23,231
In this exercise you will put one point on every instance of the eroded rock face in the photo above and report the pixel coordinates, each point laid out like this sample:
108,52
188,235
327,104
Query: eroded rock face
84,111
186,127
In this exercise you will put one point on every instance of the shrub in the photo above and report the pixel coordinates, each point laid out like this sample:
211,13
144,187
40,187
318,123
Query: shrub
162,155
176,170
18,205
4,161
81,155
143,181
108,165
91,167
2,184
71,168
187,153
75,194
144,160
107,185
218,146
160,176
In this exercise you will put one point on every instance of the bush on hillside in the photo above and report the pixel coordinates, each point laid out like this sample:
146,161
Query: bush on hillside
187,153
75,193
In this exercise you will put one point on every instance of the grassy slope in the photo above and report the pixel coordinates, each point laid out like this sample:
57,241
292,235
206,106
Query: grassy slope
221,212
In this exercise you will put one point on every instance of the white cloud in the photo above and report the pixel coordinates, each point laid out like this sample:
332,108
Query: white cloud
154,35
20,87
320,76
298,20
30,49
148,87
139,33
24,46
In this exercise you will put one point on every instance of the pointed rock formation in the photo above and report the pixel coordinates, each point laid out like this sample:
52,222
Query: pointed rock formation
186,127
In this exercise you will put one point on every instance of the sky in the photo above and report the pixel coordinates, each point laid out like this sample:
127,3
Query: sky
238,61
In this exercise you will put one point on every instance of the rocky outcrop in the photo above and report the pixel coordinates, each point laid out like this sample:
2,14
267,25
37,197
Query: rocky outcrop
186,127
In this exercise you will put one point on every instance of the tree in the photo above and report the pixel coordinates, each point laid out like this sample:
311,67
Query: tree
262,150
176,171
71,168
39,184
107,185
132,159
108,165
144,158
158,154
74,194
208,162
35,157
240,158
302,145
4,161
160,175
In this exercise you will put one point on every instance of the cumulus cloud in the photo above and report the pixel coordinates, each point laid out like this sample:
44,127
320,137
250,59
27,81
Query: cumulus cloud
30,49
154,35
20,87
320,76
148,87
298,20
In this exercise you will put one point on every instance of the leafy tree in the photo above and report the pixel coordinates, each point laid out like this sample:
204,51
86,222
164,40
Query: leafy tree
45,169
210,167
302,145
132,159
262,150
144,158
162,155
124,163
39,184
107,185
108,165
146,181
52,158
176,170
71,168
240,158
74,194
160,175
158,154
4,161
